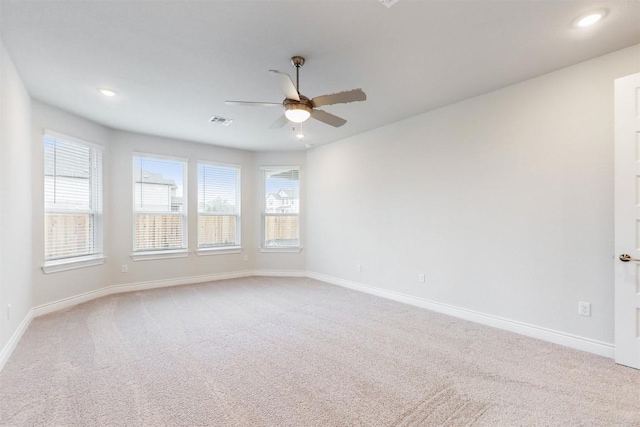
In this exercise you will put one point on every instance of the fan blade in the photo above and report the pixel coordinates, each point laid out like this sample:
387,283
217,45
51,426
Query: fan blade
254,104
280,122
286,85
339,98
327,118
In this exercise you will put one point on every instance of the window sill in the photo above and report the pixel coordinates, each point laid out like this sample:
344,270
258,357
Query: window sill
72,264
152,255
219,251
284,249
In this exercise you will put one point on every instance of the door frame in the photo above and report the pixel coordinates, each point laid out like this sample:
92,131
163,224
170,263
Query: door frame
627,220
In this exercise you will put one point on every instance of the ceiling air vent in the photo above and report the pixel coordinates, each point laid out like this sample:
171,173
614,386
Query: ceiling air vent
388,3
222,121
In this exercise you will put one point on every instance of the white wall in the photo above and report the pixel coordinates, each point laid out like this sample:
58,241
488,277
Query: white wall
15,199
118,218
505,201
56,286
119,177
274,260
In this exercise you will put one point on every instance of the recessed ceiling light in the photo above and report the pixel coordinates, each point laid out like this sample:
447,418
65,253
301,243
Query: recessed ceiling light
590,19
107,92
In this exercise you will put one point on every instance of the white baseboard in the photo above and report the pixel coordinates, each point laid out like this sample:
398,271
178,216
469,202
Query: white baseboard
557,337
280,273
190,280
573,341
129,287
61,304
15,339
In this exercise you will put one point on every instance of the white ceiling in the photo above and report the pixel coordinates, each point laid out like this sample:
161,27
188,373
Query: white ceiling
174,63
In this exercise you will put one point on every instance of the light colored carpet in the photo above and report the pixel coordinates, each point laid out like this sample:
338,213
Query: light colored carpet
297,352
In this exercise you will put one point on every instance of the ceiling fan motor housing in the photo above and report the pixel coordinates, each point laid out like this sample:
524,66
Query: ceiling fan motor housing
297,61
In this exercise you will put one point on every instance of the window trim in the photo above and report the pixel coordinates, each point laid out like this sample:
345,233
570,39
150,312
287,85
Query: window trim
72,139
263,200
97,257
152,254
73,263
229,249
282,249
159,254
223,250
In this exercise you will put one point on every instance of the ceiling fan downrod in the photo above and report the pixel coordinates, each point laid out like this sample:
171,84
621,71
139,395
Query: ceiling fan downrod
297,61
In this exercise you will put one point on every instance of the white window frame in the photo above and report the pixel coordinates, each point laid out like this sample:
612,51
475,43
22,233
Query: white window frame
231,249
155,254
263,203
96,257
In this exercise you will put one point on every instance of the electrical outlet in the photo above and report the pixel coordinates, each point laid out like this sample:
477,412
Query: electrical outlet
125,268
8,311
245,258
421,278
584,308
358,268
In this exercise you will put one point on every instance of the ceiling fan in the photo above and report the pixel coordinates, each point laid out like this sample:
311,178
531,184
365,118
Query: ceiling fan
297,107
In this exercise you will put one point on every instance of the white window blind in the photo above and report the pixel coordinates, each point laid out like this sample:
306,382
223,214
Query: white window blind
160,221
281,207
218,206
72,198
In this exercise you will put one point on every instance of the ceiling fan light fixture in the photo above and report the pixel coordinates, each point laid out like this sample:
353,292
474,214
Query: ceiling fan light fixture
298,108
297,113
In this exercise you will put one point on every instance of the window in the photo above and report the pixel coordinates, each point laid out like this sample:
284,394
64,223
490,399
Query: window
72,200
281,207
160,209
218,206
